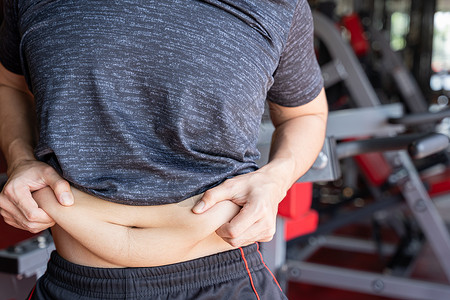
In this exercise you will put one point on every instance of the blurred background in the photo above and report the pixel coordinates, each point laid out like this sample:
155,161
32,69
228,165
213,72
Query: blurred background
370,220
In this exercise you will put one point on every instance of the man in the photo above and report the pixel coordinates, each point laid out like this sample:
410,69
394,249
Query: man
153,109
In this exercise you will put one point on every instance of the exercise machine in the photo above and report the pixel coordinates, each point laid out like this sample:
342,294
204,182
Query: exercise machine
370,119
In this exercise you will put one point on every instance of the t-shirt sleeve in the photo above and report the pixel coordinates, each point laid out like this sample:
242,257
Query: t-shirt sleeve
297,79
10,38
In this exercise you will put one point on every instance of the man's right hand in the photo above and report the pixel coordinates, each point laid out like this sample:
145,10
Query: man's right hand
17,205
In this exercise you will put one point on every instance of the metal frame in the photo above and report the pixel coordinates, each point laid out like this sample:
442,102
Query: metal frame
22,264
345,67
364,282
345,64
407,85
28,257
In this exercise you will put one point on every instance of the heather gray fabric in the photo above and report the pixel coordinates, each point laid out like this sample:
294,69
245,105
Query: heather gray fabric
151,102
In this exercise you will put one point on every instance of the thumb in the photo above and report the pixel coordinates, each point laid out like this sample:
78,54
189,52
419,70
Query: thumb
61,188
210,198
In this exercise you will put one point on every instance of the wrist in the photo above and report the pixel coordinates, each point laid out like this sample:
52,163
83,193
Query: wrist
17,152
281,171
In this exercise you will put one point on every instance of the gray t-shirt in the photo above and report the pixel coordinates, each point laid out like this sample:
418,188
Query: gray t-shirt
151,102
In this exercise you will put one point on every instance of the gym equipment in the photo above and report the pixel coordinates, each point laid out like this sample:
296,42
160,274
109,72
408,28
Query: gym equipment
385,65
23,262
371,120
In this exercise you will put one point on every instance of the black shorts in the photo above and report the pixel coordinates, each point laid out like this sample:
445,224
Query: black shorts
236,274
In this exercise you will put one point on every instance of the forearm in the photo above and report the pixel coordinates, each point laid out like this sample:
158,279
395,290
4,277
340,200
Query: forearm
17,140
17,125
293,152
296,142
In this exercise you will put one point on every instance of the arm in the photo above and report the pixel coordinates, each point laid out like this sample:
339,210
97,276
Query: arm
18,137
297,140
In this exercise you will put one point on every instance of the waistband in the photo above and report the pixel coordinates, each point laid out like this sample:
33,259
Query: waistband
197,273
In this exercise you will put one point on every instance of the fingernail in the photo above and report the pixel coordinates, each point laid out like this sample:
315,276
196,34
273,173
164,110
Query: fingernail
198,208
66,199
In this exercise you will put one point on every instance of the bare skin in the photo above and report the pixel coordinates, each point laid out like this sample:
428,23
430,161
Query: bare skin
99,233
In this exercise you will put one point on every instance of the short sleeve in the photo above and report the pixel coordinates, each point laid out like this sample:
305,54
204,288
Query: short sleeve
297,79
10,38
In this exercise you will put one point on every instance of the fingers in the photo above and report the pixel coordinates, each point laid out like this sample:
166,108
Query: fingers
257,233
60,187
17,205
23,224
258,196
20,197
25,215
239,224
213,196
248,227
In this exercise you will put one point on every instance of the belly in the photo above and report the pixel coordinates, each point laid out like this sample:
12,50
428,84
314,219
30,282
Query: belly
100,233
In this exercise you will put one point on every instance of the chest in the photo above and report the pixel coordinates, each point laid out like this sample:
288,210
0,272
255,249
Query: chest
158,43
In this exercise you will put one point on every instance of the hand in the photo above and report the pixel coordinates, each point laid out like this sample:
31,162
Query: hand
259,195
17,205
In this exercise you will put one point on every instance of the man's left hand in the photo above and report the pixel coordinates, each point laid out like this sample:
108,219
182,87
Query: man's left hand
259,195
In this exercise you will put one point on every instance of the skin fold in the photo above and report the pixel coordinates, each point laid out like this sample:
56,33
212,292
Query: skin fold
99,233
